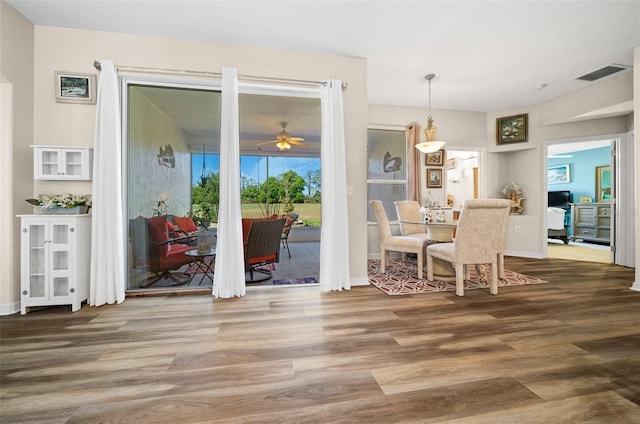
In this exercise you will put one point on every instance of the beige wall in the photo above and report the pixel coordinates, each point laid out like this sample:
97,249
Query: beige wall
61,49
522,163
16,134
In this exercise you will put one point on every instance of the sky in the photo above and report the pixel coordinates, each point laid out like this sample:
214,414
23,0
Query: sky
255,167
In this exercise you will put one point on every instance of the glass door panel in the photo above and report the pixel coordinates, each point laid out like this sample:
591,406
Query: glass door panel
73,163
50,164
60,286
60,233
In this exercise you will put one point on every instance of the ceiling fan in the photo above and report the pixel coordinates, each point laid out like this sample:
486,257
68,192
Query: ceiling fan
284,140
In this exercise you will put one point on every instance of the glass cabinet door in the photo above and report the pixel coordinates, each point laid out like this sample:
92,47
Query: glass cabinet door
59,255
73,162
37,261
50,163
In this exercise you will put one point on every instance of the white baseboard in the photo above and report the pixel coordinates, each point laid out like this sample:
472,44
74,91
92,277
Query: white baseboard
9,309
360,281
635,286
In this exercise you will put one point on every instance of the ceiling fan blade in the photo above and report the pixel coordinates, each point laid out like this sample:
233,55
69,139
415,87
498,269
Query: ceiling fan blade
267,142
296,142
295,139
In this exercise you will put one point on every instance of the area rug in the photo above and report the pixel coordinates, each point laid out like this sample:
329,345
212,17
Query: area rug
303,280
402,278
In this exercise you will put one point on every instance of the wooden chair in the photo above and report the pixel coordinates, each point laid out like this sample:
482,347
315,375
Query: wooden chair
479,240
154,251
290,219
261,246
403,244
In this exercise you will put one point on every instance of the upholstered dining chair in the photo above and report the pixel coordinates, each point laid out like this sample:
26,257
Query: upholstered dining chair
479,240
408,214
389,242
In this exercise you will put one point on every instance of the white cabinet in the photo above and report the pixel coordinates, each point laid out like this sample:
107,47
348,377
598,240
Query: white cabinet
62,163
55,255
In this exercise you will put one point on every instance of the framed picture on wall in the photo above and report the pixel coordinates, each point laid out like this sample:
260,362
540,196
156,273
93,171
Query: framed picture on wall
512,129
434,158
75,88
434,177
558,174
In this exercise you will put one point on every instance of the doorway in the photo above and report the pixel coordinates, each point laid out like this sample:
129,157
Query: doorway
581,212
172,144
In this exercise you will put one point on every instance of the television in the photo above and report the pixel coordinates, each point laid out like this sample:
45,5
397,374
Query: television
559,199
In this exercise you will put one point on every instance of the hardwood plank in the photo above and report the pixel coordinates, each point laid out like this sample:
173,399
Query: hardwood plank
566,351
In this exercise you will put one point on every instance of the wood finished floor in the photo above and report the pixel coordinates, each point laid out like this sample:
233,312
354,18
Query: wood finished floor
563,352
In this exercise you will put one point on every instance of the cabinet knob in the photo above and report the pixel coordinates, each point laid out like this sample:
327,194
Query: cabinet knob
71,229
24,230
585,231
72,290
24,292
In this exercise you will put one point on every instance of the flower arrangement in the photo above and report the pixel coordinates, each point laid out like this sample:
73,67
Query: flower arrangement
66,201
514,193
450,200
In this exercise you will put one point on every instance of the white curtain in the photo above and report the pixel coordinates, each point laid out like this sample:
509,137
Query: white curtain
228,280
334,236
107,281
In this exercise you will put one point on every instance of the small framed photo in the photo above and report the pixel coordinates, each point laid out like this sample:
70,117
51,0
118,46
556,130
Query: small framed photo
558,174
452,163
512,129
434,158
75,88
586,199
434,177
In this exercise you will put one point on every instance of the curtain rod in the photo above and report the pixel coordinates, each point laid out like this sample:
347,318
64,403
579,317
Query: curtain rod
98,66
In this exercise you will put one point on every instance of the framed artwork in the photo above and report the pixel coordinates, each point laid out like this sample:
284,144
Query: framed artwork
434,158
603,184
75,88
512,129
558,174
452,163
434,177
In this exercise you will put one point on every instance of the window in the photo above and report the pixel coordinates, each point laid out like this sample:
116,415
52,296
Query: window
386,169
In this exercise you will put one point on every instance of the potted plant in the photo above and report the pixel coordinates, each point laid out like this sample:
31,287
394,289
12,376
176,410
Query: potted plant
62,203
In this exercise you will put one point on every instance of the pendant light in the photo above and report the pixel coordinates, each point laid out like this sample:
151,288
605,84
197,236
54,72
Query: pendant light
203,177
430,144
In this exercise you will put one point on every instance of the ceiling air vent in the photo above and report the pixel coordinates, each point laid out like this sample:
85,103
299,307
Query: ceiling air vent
602,72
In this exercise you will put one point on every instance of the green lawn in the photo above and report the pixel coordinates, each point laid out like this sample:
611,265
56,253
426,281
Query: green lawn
310,213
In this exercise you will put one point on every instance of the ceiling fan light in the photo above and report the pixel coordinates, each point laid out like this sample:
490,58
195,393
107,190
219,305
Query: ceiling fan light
430,146
283,145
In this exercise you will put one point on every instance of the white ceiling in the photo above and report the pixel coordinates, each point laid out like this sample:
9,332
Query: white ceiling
487,55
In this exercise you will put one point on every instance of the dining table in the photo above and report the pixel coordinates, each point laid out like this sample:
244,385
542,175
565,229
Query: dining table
439,232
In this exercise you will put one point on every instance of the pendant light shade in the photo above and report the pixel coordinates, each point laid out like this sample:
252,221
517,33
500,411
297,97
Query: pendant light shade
203,176
430,144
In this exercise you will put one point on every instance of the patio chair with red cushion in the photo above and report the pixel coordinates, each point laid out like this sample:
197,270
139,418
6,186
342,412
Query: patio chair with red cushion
155,252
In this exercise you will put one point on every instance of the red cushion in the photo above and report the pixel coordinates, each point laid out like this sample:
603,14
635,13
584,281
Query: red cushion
185,223
171,226
159,233
176,257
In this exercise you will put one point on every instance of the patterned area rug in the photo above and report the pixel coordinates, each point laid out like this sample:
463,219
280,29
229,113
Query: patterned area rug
402,278
304,280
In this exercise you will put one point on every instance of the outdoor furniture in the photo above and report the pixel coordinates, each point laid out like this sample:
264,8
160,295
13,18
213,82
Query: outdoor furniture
261,246
388,242
479,240
154,251
202,263
290,220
